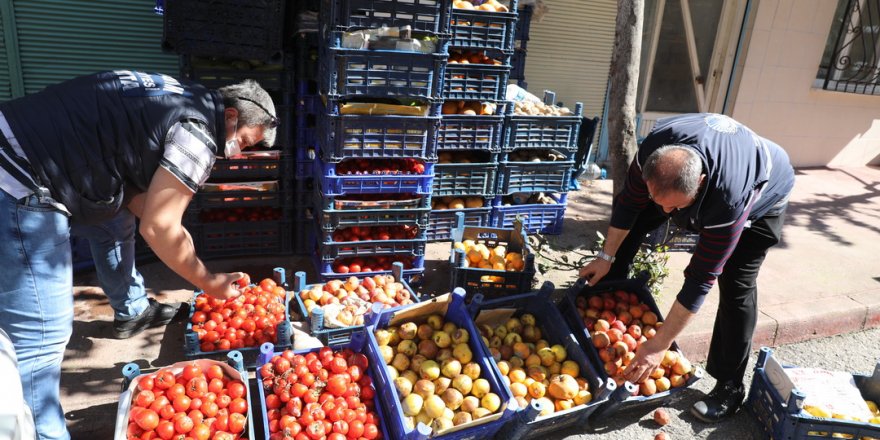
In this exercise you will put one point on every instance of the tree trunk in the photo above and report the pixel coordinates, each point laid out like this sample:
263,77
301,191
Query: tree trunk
624,74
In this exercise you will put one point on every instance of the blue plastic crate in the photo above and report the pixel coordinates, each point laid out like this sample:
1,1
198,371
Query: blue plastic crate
331,216
536,218
442,222
356,74
464,132
491,283
420,15
465,179
412,275
215,240
315,321
331,250
367,136
557,132
130,373
451,306
622,398
528,424
267,351
518,67
333,184
475,82
284,332
783,419
532,177
483,30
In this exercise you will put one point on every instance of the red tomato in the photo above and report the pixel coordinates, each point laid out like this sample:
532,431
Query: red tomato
316,430
238,405
146,382
355,429
183,424
165,430
190,371
144,398
215,385
371,431
200,432
237,422
196,387
164,379
244,281
181,403
235,389
146,419
214,372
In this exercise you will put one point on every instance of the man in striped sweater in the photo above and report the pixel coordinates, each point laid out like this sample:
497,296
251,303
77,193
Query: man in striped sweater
712,175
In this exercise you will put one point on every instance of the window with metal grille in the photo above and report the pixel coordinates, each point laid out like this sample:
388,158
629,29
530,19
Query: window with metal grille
851,61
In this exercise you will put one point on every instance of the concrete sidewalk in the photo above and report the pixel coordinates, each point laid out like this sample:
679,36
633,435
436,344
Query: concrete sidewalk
823,279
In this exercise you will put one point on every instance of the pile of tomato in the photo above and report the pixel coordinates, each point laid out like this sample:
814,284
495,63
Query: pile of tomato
319,395
247,320
194,404
370,264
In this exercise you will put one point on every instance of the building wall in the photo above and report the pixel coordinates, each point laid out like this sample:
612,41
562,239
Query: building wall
569,52
777,97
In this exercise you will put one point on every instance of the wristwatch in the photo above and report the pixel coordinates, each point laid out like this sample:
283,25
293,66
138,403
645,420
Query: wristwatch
604,256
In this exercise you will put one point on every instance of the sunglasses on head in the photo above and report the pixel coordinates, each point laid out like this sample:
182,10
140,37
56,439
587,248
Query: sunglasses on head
273,121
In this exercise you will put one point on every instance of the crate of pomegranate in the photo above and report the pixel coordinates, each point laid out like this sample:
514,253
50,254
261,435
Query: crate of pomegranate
162,404
614,318
435,377
491,261
794,403
314,393
259,314
531,344
335,310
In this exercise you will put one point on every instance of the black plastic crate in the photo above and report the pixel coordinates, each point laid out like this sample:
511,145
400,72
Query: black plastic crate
303,237
491,283
466,132
466,179
366,136
532,177
225,28
229,239
518,67
483,30
523,24
231,170
475,82
673,237
214,73
557,132
235,199
355,74
420,15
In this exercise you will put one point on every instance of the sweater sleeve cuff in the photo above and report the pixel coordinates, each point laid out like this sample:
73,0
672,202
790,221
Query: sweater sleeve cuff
692,294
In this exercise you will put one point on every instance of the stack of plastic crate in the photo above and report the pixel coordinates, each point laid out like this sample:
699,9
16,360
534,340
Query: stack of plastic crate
518,62
307,106
373,169
535,170
472,124
246,207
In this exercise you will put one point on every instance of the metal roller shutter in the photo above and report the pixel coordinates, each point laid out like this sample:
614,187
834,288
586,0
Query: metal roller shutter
5,79
569,52
60,39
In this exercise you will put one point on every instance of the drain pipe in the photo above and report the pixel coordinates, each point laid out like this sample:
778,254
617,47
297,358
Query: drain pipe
739,46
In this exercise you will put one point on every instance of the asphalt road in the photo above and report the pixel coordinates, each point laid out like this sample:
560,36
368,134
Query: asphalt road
856,352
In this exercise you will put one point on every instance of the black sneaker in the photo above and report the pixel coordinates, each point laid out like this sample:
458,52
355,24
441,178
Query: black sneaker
721,403
157,314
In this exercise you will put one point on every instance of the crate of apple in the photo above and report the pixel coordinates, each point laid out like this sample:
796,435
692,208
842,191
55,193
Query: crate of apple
198,399
258,315
324,393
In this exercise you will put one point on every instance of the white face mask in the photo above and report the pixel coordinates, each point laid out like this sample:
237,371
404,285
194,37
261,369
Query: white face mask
232,147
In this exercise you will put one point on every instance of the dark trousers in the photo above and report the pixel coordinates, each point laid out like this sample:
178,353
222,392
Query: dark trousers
738,290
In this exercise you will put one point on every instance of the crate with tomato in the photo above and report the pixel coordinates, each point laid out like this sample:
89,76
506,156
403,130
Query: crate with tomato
320,393
365,210
197,399
343,268
336,309
435,376
259,314
384,175
372,241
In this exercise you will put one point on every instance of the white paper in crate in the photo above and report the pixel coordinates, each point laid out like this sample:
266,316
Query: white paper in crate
834,391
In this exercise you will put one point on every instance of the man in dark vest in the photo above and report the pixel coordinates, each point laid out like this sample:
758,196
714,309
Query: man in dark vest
714,176
96,151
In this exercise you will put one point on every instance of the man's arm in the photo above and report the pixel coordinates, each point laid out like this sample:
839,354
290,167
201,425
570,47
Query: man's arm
161,210
650,353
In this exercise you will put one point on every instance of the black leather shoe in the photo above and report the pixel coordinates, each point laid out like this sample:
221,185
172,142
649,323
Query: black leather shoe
721,403
157,314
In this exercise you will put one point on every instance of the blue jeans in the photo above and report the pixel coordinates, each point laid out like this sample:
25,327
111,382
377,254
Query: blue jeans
36,302
112,246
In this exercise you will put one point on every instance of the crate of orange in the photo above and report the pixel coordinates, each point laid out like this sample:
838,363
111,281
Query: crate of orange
194,399
491,261
260,314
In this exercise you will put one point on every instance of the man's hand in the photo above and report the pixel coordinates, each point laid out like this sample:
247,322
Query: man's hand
648,358
223,285
595,270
